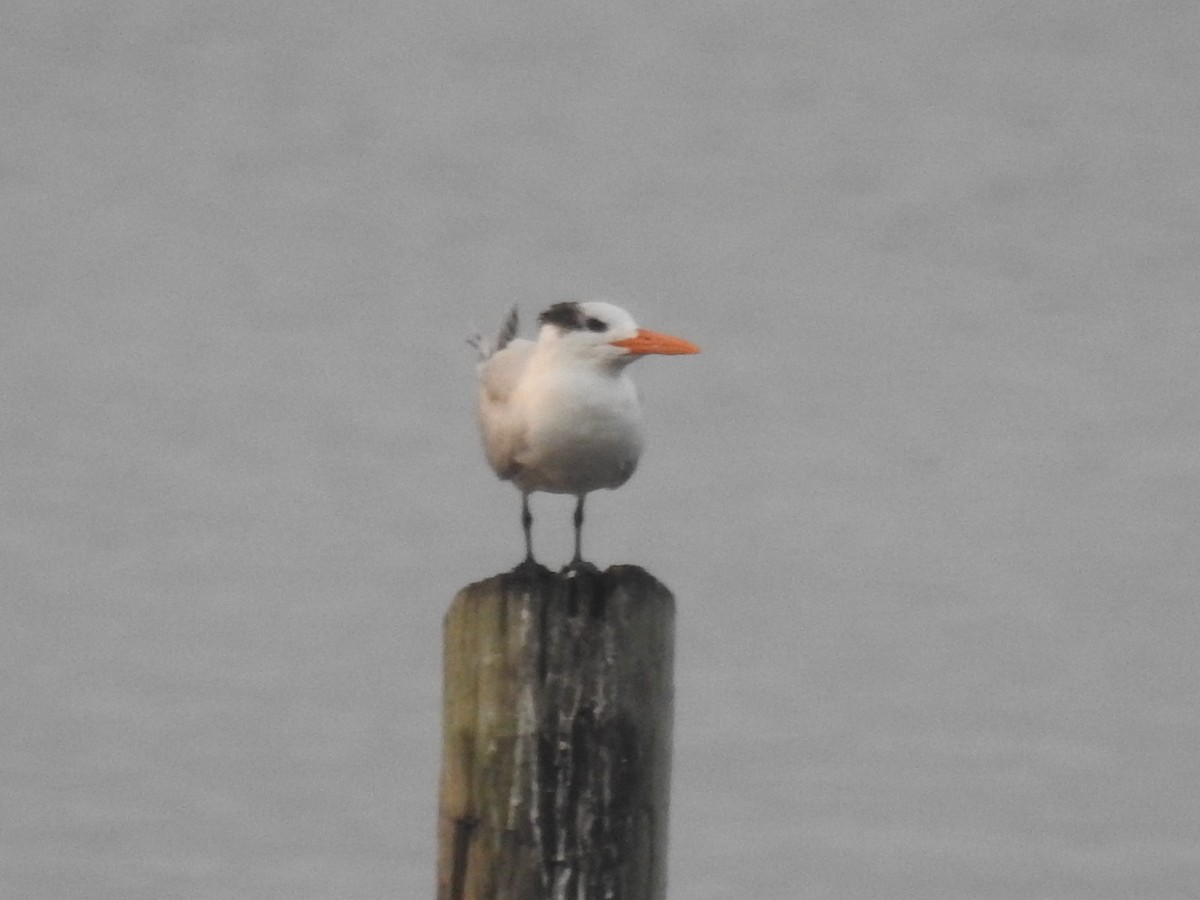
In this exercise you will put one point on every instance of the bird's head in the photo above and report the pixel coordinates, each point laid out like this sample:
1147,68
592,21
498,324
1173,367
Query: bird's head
605,333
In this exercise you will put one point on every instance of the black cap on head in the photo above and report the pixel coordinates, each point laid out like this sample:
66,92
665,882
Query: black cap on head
571,316
567,315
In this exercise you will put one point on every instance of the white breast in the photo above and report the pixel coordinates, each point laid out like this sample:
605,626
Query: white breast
583,432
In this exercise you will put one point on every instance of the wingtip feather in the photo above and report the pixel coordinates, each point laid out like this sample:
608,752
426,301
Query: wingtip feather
488,347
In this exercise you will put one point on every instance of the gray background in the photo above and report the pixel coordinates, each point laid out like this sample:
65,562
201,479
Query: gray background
928,500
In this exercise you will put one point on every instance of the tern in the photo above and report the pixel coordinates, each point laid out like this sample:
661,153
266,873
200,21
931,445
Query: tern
561,414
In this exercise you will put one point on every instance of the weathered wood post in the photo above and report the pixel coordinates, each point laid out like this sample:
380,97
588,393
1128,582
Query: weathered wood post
556,755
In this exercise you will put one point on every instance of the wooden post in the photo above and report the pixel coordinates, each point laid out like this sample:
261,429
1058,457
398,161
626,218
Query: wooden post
556,755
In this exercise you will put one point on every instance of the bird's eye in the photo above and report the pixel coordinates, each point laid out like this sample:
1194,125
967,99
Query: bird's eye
594,324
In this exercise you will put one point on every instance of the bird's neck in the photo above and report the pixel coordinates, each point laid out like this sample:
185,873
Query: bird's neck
553,357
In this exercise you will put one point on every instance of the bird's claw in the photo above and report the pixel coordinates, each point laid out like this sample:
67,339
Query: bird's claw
529,566
579,566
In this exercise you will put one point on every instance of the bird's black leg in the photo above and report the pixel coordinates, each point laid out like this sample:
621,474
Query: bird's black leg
527,525
578,532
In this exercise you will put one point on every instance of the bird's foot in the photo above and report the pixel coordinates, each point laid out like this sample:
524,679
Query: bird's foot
579,566
529,566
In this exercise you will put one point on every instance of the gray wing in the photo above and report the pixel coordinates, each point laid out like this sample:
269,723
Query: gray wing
501,423
488,347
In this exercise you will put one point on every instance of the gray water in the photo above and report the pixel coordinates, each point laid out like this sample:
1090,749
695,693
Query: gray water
928,500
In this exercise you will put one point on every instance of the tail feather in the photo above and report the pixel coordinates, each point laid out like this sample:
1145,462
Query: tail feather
487,347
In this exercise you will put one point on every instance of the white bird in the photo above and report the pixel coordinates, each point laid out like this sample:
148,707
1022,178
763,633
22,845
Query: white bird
561,414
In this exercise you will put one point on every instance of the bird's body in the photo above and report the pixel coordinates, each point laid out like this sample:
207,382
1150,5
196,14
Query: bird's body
561,414
550,427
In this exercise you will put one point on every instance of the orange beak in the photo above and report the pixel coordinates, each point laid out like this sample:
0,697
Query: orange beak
654,342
